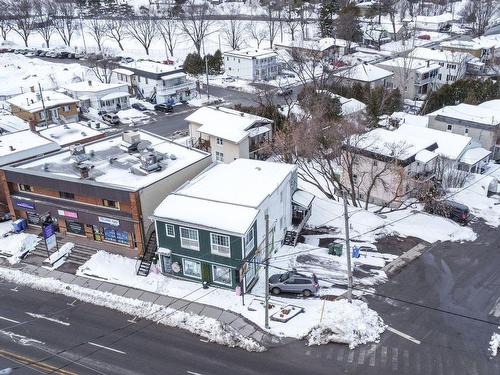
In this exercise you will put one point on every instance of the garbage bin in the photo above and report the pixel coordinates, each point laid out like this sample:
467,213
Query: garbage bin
335,249
17,225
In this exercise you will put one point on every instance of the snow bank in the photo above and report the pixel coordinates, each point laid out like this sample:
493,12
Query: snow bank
208,328
14,246
494,344
347,323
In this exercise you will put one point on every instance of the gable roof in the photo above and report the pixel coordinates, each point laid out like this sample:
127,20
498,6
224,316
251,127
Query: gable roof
468,112
364,73
32,101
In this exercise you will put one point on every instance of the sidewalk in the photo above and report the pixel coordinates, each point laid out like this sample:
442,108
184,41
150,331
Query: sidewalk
228,318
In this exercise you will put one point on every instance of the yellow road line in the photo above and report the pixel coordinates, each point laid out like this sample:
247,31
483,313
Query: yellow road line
34,363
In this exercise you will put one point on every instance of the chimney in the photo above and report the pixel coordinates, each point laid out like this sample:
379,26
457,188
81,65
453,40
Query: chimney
428,63
11,148
89,82
242,114
84,171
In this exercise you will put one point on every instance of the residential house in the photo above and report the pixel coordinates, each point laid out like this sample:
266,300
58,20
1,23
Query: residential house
397,119
105,97
414,78
10,123
104,191
229,134
453,65
70,134
324,48
42,109
367,74
213,229
441,22
481,123
349,106
482,48
388,165
375,36
157,82
251,64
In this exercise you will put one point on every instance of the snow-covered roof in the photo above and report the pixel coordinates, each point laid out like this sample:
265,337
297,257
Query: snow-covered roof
474,155
23,145
174,75
474,44
253,132
491,104
198,211
450,145
251,53
124,71
242,182
225,123
350,105
391,143
410,119
302,198
409,63
440,18
148,66
11,123
319,45
93,86
425,156
115,95
32,102
115,166
469,112
423,53
70,133
364,73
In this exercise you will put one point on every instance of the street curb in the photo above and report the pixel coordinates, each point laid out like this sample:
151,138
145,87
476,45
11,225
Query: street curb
406,258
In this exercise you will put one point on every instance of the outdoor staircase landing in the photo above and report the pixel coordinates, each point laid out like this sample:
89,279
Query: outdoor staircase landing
291,238
147,258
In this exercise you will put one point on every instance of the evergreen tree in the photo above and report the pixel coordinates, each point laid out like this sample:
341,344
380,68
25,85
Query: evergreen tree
215,63
327,10
193,64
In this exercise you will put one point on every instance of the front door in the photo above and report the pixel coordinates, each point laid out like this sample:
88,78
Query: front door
205,272
97,233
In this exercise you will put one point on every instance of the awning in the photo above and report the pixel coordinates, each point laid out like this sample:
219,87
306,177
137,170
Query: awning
302,198
474,155
115,95
425,156
258,130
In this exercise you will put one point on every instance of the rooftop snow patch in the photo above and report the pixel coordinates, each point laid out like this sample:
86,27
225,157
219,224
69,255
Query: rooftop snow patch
23,145
229,217
251,53
243,182
316,45
11,123
148,66
491,104
413,64
474,155
93,86
302,198
445,17
225,123
469,112
32,101
364,73
450,145
67,134
112,165
422,53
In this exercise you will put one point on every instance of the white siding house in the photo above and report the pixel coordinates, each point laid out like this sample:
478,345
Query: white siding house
107,97
251,64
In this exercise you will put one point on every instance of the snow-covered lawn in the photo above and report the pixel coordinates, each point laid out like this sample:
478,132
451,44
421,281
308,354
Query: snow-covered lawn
236,84
14,246
208,328
121,270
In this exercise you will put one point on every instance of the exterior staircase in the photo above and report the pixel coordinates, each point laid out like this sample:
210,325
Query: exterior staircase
78,256
147,257
291,238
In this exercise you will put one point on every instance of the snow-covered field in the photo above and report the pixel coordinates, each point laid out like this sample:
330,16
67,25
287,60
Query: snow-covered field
121,270
14,246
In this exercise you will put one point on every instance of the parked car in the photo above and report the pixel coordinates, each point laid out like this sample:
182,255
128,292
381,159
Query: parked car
452,210
164,107
285,91
111,118
80,55
127,59
168,62
424,36
139,106
4,50
293,282
228,79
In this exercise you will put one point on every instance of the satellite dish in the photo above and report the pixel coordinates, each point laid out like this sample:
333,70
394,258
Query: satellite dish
143,145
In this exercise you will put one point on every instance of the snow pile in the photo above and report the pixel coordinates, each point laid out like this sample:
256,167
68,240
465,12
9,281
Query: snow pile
131,116
208,328
14,246
494,344
348,323
58,258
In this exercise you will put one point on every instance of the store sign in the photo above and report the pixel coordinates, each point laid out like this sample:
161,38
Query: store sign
107,220
71,214
48,231
24,204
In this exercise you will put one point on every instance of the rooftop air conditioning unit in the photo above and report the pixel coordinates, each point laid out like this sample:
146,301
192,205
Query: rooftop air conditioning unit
130,140
77,152
150,163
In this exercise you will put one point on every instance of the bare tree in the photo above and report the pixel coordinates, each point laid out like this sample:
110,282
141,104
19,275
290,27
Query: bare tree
168,29
116,29
273,17
309,66
65,23
102,69
24,20
292,18
390,7
143,29
479,13
347,25
233,30
195,22
97,30
257,33
44,14
6,22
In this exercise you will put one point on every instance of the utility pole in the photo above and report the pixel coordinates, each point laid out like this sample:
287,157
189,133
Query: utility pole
81,29
267,273
348,249
206,70
43,105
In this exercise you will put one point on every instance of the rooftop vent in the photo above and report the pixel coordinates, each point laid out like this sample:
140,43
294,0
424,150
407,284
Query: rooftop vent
45,167
89,82
150,163
173,157
242,114
12,148
84,170
112,159
130,140
77,152
83,134
66,126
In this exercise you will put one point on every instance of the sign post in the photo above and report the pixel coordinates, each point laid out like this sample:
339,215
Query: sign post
49,234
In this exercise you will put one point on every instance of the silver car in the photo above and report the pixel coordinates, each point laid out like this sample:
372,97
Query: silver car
293,282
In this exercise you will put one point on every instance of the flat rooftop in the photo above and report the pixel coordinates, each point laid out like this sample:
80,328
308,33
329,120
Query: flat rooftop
75,132
115,167
468,112
150,67
93,86
251,52
409,63
22,145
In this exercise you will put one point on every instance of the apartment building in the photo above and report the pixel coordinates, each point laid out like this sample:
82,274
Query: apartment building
251,64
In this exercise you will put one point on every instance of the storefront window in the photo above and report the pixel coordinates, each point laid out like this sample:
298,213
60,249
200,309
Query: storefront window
221,275
191,268
33,218
113,235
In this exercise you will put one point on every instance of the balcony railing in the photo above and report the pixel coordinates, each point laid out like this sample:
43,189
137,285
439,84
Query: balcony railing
169,90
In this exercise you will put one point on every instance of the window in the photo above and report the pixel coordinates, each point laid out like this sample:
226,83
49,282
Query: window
42,115
374,163
24,187
170,230
65,195
450,77
449,128
451,66
281,196
138,78
355,178
191,268
221,275
249,241
146,80
220,245
440,76
67,108
219,156
111,204
189,239
54,113
466,131
220,141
